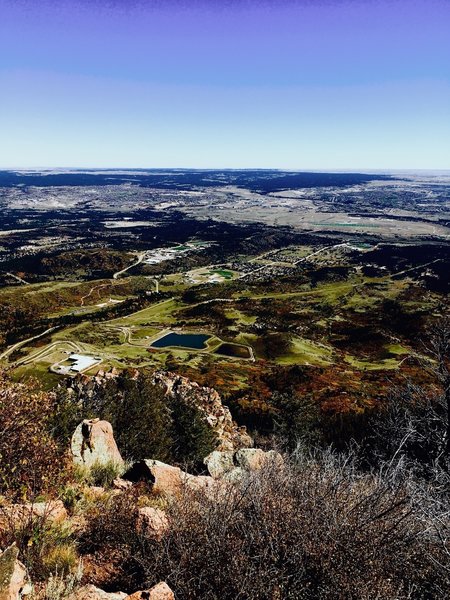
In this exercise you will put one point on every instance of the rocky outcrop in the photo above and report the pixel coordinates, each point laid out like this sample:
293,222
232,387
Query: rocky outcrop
93,443
159,592
207,400
230,436
13,516
167,480
91,592
232,467
14,580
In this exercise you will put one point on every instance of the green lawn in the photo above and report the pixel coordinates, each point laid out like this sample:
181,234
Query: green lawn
307,352
223,273
371,365
161,313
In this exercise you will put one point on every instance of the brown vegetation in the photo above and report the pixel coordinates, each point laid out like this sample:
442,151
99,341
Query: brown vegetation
31,462
314,529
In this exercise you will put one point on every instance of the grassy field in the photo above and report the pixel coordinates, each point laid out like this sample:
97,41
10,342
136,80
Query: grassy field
239,317
306,352
161,314
223,273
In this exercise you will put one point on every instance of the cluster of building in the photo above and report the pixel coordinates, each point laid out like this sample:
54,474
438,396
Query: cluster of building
154,257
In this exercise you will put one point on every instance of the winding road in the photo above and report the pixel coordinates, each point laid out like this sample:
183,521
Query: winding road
17,278
139,260
11,349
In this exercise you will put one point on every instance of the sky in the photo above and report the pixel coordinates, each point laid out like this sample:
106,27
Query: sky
291,84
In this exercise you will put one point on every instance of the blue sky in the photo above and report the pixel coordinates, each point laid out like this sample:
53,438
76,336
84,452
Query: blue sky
294,84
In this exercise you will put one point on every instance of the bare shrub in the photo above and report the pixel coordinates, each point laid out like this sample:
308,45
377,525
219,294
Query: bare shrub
312,530
110,541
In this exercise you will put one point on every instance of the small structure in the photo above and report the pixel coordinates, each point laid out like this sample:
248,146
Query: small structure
81,362
75,363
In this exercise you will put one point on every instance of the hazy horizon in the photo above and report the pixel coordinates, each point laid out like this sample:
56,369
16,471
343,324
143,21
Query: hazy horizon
368,170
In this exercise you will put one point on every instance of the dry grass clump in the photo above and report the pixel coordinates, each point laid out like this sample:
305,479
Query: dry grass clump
60,586
46,548
62,559
99,474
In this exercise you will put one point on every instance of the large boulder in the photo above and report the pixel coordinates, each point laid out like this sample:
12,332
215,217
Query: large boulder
152,522
236,475
253,459
121,485
161,591
165,479
219,463
203,483
91,592
232,467
93,443
14,580
53,510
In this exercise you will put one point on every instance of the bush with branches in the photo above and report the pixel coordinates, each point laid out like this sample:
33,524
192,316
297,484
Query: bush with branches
414,426
31,462
315,529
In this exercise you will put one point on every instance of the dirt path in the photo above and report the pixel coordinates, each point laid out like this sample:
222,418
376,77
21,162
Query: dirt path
96,287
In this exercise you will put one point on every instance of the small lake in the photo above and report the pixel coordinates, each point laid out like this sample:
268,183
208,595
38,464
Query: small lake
196,341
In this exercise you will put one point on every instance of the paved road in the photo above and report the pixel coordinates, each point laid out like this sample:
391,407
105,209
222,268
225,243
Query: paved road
319,251
18,278
211,300
432,262
11,349
139,260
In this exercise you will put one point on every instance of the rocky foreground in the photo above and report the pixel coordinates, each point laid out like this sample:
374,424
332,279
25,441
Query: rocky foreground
93,446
